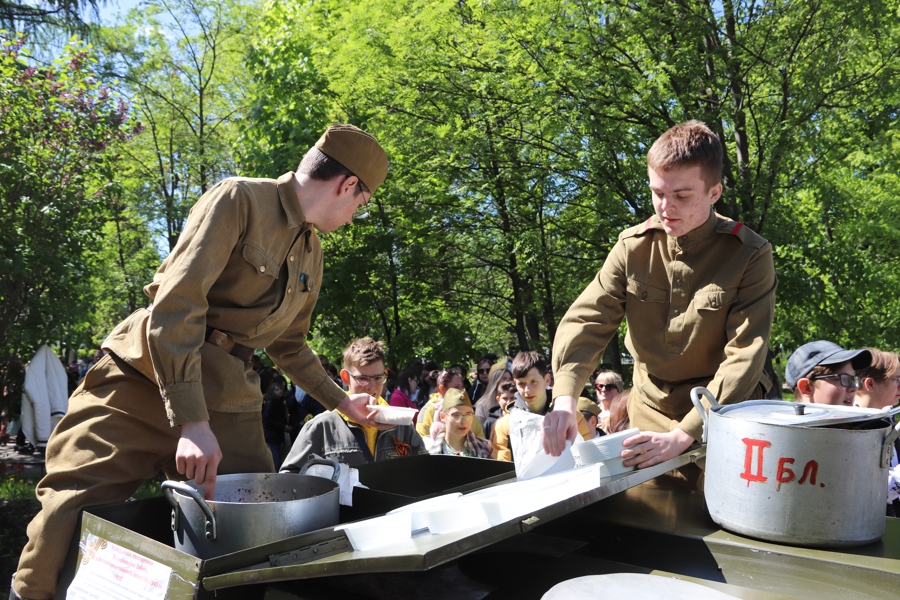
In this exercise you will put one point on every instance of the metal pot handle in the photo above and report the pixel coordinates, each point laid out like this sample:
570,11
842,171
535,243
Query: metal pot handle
713,406
170,487
888,446
328,462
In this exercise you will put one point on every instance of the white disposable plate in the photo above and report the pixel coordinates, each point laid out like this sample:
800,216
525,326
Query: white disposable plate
394,415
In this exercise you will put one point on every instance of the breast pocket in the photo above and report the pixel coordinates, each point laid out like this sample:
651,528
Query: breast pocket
263,264
646,293
714,300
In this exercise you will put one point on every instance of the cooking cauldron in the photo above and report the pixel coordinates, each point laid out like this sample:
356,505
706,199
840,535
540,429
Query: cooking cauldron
250,510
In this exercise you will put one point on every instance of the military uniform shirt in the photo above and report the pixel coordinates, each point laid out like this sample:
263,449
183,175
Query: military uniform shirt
249,265
699,309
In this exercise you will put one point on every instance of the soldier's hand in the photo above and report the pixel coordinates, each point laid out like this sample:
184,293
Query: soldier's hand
198,455
651,448
560,425
356,406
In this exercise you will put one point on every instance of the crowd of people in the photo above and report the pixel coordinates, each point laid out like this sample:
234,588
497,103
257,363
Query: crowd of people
178,388
461,412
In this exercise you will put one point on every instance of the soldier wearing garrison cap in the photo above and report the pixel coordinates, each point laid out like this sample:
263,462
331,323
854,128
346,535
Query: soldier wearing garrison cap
698,292
175,390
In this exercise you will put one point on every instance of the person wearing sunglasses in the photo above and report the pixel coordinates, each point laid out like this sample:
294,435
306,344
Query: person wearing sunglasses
822,372
607,385
334,434
482,372
451,432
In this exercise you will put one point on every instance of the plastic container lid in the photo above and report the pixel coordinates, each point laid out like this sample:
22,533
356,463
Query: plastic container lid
779,412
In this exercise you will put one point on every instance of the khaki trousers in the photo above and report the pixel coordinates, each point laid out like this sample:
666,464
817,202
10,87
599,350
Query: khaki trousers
114,437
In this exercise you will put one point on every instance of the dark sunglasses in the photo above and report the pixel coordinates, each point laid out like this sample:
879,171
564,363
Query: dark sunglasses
606,386
484,370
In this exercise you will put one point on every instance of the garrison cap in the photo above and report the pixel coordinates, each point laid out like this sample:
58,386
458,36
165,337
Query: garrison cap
825,353
589,406
498,366
358,151
454,398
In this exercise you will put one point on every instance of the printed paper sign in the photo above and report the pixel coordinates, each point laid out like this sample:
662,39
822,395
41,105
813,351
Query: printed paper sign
110,572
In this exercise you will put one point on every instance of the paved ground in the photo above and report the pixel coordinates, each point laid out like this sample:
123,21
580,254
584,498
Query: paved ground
15,463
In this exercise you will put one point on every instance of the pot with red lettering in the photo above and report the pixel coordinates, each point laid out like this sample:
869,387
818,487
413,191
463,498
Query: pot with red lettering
801,474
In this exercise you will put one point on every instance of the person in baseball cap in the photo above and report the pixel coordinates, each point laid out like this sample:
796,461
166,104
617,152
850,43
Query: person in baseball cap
822,372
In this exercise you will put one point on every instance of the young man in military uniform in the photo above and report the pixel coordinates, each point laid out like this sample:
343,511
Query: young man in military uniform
698,292
176,391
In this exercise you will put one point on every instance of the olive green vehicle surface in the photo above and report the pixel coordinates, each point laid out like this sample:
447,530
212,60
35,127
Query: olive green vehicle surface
643,522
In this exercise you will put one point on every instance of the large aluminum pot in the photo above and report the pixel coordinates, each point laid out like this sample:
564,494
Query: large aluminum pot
249,510
800,474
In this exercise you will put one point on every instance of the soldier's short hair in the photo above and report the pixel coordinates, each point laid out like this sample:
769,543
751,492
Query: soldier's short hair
321,167
525,361
687,145
362,352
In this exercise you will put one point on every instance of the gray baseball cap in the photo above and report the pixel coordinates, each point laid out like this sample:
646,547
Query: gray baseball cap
822,352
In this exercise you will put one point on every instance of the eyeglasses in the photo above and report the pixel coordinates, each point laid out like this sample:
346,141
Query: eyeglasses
461,417
480,371
606,386
362,211
367,379
845,381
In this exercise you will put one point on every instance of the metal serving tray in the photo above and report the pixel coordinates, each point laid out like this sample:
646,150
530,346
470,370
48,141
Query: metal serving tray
143,528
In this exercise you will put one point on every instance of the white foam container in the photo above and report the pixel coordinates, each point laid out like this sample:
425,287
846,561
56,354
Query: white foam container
394,415
420,510
605,449
379,531
518,500
465,514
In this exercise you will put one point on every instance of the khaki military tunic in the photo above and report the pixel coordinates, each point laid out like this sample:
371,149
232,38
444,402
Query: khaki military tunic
247,264
699,309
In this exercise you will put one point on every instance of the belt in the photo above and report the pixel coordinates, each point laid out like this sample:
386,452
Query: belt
224,341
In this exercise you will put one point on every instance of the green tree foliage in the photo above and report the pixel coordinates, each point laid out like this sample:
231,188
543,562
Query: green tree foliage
19,15
121,266
179,61
57,128
518,132
288,105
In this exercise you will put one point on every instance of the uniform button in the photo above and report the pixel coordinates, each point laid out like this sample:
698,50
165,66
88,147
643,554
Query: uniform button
289,290
292,258
644,296
262,268
678,282
676,312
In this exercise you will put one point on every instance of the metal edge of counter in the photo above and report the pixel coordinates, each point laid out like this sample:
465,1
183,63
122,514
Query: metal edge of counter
440,549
